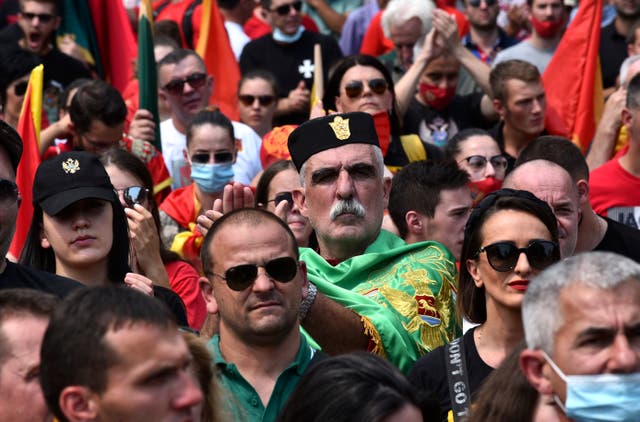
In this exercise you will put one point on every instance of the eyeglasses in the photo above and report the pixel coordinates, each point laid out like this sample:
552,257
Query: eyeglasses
404,45
503,256
20,88
285,8
479,162
42,17
355,88
240,277
284,196
218,157
263,100
133,195
195,81
8,190
476,3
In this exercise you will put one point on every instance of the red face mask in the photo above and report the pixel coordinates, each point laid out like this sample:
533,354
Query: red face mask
436,97
547,29
383,130
483,187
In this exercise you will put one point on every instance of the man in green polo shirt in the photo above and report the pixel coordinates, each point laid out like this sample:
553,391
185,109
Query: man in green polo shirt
255,284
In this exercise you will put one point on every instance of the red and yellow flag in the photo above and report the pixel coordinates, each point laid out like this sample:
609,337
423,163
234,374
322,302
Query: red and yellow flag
29,129
214,47
573,80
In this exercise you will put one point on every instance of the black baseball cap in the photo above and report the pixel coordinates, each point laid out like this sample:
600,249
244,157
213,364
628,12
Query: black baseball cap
68,178
11,141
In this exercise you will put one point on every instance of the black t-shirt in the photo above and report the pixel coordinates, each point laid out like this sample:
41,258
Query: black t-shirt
430,372
290,64
613,51
20,276
397,157
621,239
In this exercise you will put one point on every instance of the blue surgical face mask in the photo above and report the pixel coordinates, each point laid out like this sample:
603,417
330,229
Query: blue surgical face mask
600,397
280,36
211,178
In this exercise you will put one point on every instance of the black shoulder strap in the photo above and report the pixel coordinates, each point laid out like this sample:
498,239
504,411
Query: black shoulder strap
187,23
458,378
159,9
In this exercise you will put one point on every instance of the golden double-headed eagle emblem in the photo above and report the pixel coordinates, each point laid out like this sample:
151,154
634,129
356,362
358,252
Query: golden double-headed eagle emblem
70,166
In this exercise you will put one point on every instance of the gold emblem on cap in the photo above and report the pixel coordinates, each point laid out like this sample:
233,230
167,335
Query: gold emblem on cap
70,165
340,127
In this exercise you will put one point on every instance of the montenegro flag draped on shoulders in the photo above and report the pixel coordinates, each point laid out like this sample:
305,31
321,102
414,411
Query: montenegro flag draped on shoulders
573,80
214,47
29,126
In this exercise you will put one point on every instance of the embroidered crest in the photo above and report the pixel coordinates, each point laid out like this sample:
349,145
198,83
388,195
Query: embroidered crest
70,165
340,127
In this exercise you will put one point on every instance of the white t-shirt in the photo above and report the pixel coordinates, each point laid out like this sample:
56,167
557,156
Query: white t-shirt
237,37
246,167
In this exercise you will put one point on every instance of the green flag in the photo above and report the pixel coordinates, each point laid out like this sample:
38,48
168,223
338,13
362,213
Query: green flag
147,74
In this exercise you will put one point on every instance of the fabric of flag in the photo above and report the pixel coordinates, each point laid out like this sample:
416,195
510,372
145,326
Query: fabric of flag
214,47
29,126
573,80
102,29
147,74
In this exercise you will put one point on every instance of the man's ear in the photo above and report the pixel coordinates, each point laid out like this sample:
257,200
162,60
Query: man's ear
209,297
300,200
415,224
583,192
532,364
386,190
627,117
305,281
79,404
499,108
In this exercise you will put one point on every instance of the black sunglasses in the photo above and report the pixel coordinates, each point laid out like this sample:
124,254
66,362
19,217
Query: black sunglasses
8,190
195,80
285,8
284,196
218,157
479,162
240,277
476,3
133,195
503,256
355,88
42,17
20,88
263,100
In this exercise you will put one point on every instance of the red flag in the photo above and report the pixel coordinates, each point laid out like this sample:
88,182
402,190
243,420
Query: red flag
214,47
116,42
29,130
573,81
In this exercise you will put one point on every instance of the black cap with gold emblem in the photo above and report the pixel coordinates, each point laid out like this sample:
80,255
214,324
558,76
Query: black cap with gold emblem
329,132
68,178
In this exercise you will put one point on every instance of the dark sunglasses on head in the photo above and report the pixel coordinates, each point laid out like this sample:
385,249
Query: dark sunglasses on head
285,8
218,157
476,3
133,195
503,256
284,196
355,88
20,88
240,277
195,81
42,17
8,190
263,100
479,162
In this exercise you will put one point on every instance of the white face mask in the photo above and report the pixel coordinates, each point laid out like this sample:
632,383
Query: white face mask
599,397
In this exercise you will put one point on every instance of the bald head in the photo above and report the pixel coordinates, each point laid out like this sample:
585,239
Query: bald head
552,184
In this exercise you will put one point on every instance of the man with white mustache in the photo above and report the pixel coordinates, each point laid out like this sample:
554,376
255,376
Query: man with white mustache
368,289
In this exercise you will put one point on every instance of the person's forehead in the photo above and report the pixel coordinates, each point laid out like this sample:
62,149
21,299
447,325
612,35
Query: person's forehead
545,3
479,145
454,198
359,72
442,64
37,7
276,3
256,86
342,156
129,339
210,137
519,89
182,69
410,28
243,242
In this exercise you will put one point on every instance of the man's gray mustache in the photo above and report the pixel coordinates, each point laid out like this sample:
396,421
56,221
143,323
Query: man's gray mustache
348,206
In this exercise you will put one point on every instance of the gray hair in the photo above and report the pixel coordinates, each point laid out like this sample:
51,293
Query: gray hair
541,314
624,69
378,162
398,12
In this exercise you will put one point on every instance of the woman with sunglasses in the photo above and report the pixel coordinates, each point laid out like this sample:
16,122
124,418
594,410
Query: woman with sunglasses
478,154
133,184
79,229
273,193
363,83
257,100
16,65
509,238
210,154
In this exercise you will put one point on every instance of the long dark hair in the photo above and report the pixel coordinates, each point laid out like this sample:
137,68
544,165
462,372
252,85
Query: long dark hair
262,188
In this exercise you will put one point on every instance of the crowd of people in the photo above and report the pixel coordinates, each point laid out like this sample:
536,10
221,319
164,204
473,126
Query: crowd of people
410,245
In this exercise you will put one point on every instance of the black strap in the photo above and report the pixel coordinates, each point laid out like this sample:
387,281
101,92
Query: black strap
458,378
187,23
159,9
